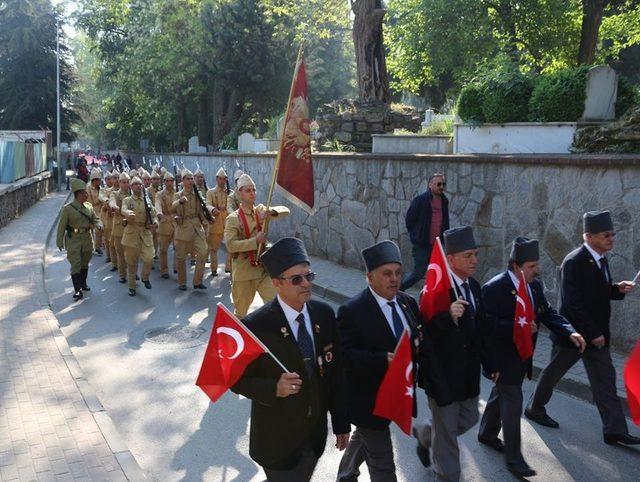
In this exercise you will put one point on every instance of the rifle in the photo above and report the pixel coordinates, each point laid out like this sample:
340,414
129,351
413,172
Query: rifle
203,205
228,187
147,206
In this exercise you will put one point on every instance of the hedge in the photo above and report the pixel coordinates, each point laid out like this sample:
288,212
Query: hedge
559,96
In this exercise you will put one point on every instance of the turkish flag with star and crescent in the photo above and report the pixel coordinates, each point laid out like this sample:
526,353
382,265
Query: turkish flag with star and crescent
295,166
632,383
231,348
436,295
394,400
524,316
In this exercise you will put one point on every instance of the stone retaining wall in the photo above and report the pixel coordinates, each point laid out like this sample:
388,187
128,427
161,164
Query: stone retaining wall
15,198
363,198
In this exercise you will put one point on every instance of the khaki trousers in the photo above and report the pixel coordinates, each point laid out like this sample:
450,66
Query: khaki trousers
198,249
145,254
97,238
214,241
164,241
122,263
243,292
107,240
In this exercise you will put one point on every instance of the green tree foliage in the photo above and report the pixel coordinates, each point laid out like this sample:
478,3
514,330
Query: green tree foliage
28,69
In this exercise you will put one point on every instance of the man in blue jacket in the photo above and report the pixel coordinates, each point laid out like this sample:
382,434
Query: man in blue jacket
427,218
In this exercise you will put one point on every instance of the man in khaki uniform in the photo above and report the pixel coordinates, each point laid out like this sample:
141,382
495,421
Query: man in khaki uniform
189,235
115,204
233,202
137,238
146,177
95,179
163,205
77,219
242,235
217,206
152,191
201,182
111,180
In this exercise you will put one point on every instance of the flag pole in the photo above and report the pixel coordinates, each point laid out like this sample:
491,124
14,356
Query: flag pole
265,228
446,262
254,337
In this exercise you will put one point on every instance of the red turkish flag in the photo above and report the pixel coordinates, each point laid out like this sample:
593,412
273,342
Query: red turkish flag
394,400
524,316
632,383
231,348
436,295
295,167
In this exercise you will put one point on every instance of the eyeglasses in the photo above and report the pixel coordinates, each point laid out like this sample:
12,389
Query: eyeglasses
441,184
296,279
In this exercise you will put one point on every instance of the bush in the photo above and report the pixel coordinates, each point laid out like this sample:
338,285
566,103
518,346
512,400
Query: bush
469,106
559,96
628,96
506,97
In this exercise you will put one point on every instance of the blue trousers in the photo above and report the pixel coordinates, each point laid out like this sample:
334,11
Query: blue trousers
421,256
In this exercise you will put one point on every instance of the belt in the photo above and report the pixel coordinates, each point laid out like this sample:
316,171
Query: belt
80,230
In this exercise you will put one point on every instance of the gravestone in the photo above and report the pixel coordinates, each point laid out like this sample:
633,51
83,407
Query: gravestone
602,91
194,145
246,142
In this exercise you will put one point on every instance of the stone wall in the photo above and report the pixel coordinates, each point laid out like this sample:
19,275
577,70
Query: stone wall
363,198
17,197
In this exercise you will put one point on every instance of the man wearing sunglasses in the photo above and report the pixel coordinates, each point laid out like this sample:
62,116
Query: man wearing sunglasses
289,410
586,291
426,219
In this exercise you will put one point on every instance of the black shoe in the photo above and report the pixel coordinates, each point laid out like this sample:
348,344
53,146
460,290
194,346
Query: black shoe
156,257
114,268
175,271
86,288
625,439
107,259
146,284
214,273
165,276
496,444
521,469
98,252
137,278
83,279
422,451
123,280
132,292
541,418
182,287
199,287
78,295
193,262
227,271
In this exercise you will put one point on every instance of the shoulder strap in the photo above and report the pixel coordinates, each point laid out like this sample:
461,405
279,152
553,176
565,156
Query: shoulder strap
81,212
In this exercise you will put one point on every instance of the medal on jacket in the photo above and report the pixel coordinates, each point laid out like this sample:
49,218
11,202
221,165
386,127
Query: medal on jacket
320,366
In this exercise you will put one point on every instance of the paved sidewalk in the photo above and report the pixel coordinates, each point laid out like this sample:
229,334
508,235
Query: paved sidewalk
52,427
338,283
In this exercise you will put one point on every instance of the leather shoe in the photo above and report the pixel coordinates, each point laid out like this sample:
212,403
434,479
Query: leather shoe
123,280
132,292
146,283
521,469
541,418
165,276
78,295
182,287
496,444
199,287
422,451
624,439
114,268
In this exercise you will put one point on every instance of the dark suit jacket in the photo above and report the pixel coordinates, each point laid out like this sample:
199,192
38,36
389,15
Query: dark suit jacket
366,339
585,295
499,296
418,218
452,354
281,427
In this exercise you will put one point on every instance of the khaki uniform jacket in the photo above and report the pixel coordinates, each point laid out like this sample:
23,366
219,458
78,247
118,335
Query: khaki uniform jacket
152,191
136,232
239,245
115,202
217,198
105,214
76,216
191,217
164,200
233,202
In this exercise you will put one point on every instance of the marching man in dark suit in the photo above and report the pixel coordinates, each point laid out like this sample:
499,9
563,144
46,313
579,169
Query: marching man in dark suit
371,325
504,407
455,344
586,291
289,410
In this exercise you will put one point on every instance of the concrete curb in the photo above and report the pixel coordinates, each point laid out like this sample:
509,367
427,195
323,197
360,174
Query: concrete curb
128,463
567,385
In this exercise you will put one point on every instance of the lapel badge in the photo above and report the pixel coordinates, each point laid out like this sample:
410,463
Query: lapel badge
328,356
284,331
320,367
316,327
513,292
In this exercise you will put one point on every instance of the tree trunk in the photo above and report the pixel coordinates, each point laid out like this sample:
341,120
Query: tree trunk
204,119
373,83
182,132
226,111
592,11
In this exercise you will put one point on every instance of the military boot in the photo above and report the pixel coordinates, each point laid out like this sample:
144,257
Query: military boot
77,290
83,279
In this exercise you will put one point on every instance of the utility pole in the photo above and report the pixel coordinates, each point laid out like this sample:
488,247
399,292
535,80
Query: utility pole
58,102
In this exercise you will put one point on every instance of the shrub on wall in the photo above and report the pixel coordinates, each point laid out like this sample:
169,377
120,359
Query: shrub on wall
469,105
559,96
628,96
506,97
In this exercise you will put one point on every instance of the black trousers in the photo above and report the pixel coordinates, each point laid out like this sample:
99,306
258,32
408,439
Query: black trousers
602,378
503,411
302,472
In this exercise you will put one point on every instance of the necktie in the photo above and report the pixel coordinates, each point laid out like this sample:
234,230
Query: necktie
467,294
604,267
398,327
305,344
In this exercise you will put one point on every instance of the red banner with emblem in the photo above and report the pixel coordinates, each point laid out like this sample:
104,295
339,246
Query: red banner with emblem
295,168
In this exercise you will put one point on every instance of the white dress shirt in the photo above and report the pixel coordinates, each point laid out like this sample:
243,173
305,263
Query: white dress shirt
291,315
459,282
597,256
386,311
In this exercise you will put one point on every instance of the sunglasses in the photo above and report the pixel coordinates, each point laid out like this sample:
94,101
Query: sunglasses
441,184
296,279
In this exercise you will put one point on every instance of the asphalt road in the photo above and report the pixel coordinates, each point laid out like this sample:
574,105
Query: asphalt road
146,381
